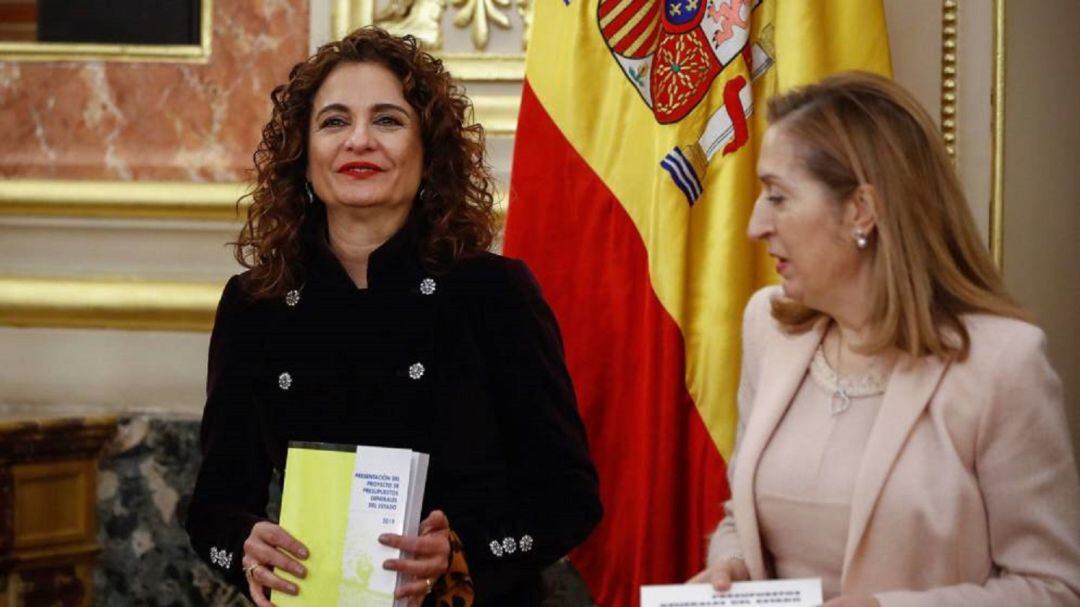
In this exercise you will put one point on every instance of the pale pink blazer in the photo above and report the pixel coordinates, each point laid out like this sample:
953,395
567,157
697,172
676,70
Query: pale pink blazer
967,493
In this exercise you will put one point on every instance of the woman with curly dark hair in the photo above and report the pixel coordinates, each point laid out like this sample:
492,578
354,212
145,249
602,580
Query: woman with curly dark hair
371,313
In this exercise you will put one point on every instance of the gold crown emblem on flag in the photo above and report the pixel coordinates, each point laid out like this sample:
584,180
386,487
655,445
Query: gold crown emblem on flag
671,51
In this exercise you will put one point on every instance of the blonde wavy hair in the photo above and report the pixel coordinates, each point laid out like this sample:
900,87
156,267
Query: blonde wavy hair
930,266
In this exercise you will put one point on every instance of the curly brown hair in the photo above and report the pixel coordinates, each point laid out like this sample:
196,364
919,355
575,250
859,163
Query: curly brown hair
454,217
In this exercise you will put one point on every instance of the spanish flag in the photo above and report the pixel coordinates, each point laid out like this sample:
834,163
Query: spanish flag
632,183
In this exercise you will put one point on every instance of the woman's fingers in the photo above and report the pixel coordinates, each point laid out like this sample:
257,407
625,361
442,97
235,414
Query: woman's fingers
415,588
420,568
268,547
718,575
430,555
721,580
721,584
426,556
417,544
258,595
274,535
435,522
408,543
430,559
276,559
266,578
738,570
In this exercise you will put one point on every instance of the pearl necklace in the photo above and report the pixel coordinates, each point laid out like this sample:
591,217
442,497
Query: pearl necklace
844,388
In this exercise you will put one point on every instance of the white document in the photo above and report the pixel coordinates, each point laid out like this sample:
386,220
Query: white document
418,467
387,493
771,593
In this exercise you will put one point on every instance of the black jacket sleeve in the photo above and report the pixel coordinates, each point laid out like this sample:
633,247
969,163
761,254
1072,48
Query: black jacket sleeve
232,488
555,501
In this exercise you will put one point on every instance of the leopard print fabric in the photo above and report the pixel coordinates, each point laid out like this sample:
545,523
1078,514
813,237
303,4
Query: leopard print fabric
455,587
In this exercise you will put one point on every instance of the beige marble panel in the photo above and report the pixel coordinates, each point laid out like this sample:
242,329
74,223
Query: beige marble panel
915,39
1042,184
114,371
152,120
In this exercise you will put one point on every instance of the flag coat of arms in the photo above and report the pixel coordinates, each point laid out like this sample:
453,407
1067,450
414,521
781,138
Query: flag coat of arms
632,183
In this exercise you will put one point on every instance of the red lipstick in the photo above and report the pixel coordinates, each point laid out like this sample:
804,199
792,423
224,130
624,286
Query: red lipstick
359,170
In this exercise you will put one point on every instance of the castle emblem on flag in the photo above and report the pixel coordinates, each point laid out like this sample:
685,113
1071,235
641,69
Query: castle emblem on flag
671,52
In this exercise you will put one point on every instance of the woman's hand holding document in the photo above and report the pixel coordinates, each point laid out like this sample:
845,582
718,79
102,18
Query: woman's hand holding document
270,548
722,573
358,512
430,551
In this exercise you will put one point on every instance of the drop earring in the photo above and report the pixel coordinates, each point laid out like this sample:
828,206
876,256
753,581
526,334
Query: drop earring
310,194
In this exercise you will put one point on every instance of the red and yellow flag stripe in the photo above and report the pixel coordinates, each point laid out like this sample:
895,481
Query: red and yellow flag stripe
633,180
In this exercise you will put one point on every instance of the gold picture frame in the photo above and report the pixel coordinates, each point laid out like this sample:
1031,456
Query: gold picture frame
84,51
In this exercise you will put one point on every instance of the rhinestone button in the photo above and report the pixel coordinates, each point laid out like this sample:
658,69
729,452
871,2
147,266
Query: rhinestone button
416,371
427,286
220,557
526,543
284,381
496,548
292,298
509,545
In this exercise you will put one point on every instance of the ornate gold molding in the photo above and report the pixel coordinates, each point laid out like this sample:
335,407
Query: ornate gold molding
421,18
949,52
498,113
997,144
169,200
475,67
130,199
79,51
478,14
115,303
108,304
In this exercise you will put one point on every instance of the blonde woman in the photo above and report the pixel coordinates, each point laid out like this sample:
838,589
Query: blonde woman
902,433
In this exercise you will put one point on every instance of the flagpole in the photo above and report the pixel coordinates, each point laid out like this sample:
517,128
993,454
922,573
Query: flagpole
997,146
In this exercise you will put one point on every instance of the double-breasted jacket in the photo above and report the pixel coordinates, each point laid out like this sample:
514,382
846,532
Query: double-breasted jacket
466,366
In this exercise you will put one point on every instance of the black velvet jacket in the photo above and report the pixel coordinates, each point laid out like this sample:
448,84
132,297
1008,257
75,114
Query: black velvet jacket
489,398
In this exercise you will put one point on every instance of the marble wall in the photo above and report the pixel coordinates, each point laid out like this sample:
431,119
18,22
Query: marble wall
144,486
148,120
120,121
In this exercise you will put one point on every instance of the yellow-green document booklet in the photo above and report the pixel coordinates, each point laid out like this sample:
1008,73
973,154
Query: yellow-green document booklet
338,500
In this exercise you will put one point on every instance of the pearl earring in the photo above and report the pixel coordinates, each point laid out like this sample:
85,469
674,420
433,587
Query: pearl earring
860,239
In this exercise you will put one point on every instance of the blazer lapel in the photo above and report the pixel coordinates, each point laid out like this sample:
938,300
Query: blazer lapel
782,370
907,394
